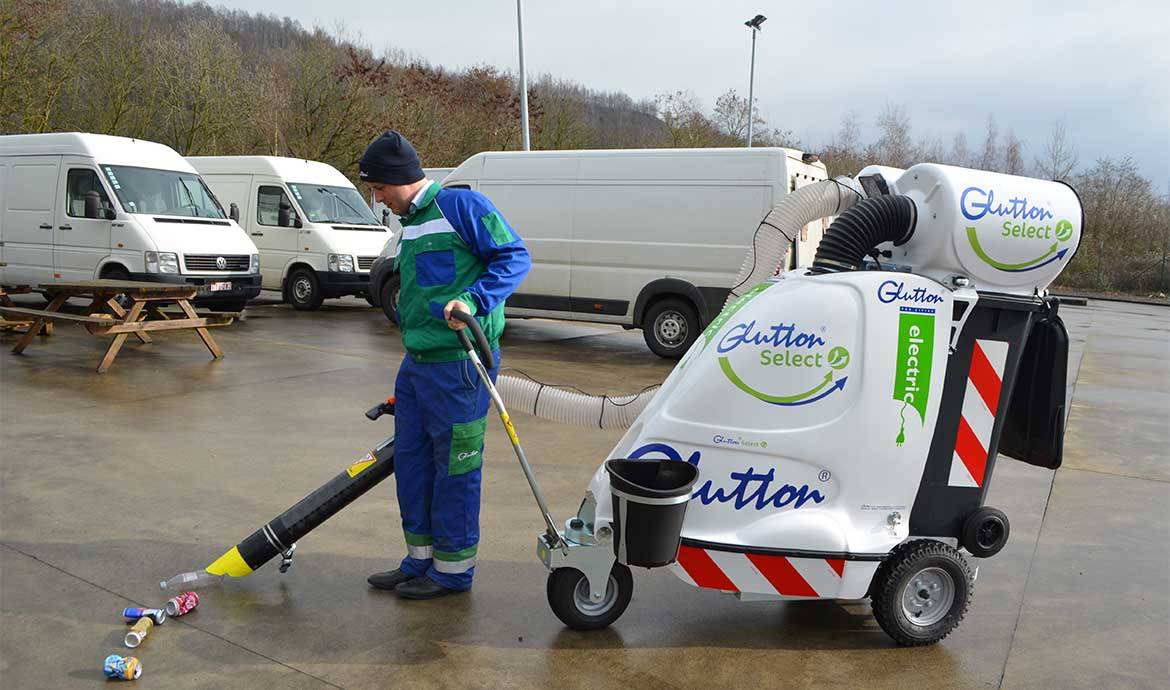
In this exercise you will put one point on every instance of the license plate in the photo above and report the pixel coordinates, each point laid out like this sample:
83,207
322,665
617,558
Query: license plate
216,287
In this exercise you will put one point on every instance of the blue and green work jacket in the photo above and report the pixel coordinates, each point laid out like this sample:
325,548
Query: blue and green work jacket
455,245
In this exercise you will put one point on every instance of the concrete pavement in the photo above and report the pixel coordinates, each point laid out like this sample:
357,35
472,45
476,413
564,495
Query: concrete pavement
109,483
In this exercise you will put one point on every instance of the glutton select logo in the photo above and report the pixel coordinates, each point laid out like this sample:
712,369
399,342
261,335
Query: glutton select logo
787,346
1022,222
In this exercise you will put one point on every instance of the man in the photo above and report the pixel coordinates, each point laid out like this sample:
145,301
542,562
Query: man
457,253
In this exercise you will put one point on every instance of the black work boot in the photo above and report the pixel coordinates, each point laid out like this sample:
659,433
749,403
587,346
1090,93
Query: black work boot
389,580
422,588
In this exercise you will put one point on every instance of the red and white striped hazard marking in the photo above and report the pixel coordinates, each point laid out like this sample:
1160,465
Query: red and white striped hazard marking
760,573
980,405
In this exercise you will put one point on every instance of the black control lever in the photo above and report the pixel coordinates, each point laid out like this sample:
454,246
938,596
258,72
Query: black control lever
380,409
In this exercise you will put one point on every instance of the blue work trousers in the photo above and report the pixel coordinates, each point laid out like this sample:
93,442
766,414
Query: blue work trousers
440,415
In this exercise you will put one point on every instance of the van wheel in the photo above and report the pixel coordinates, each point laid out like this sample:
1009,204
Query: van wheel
304,292
118,273
670,326
921,592
389,297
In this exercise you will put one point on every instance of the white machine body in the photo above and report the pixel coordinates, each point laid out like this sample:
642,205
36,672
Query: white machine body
810,404
851,362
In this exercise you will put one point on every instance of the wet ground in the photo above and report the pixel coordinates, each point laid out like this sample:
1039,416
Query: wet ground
110,482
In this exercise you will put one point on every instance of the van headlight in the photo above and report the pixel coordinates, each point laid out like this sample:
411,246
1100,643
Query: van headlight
341,262
162,262
254,264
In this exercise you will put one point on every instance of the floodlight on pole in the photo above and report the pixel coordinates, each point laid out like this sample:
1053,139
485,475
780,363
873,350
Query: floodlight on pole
755,25
523,76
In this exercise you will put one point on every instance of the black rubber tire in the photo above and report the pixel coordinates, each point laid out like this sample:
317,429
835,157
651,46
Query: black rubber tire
985,532
369,300
228,305
562,587
312,297
388,296
117,273
670,326
894,575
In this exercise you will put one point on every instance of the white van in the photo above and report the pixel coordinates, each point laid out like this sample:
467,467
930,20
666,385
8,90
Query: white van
317,237
645,238
82,206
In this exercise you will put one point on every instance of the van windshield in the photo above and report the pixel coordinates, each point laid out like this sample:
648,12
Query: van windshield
163,192
324,204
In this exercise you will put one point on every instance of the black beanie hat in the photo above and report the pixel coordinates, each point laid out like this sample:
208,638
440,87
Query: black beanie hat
390,159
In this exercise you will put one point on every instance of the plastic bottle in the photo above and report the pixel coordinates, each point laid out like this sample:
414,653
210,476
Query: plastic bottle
195,578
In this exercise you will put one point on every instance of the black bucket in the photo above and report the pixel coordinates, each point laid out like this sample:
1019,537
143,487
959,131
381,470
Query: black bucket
649,502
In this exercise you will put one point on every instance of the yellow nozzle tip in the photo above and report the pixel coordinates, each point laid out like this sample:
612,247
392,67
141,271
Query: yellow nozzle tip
231,563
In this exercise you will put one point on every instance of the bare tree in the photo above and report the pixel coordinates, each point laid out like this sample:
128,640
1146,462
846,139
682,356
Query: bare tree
894,145
684,120
960,154
1013,154
731,115
1059,158
990,159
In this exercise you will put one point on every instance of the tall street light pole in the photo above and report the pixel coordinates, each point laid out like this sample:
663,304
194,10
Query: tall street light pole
523,76
753,24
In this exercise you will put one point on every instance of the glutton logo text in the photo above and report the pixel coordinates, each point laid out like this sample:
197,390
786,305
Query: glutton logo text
1023,221
787,346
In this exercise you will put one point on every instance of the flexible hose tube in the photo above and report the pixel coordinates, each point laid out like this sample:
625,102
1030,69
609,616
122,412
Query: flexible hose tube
857,231
573,407
783,224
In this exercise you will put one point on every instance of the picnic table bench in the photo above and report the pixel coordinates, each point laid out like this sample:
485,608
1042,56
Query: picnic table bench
140,315
6,301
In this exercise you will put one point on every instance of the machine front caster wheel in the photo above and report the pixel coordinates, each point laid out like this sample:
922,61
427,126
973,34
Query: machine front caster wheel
568,596
921,592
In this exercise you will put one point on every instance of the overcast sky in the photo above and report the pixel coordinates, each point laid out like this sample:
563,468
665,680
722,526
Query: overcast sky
1103,68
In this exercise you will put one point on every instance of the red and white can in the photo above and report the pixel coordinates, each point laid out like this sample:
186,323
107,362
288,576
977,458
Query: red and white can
182,603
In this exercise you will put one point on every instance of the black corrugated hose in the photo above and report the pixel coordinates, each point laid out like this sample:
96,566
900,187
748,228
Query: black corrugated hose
857,231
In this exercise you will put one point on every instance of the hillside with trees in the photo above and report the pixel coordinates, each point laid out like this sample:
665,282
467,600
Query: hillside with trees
210,81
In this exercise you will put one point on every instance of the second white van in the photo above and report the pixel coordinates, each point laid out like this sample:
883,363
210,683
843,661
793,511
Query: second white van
644,238
77,206
316,234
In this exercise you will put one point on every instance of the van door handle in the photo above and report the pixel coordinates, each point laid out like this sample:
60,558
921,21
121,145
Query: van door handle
257,234
64,227
46,226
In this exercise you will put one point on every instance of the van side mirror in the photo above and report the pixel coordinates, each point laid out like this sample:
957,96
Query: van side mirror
109,212
297,222
234,212
93,205
284,215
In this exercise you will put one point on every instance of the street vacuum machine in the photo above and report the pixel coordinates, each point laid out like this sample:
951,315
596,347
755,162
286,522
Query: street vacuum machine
833,432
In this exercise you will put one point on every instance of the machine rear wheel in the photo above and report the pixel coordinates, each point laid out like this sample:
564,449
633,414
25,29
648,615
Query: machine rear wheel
985,532
568,596
921,592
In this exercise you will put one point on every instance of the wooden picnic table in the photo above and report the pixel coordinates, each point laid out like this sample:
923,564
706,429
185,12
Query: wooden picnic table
141,314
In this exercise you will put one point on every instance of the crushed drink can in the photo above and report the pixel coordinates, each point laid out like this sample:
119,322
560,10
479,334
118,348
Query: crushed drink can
159,616
139,632
122,667
181,604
